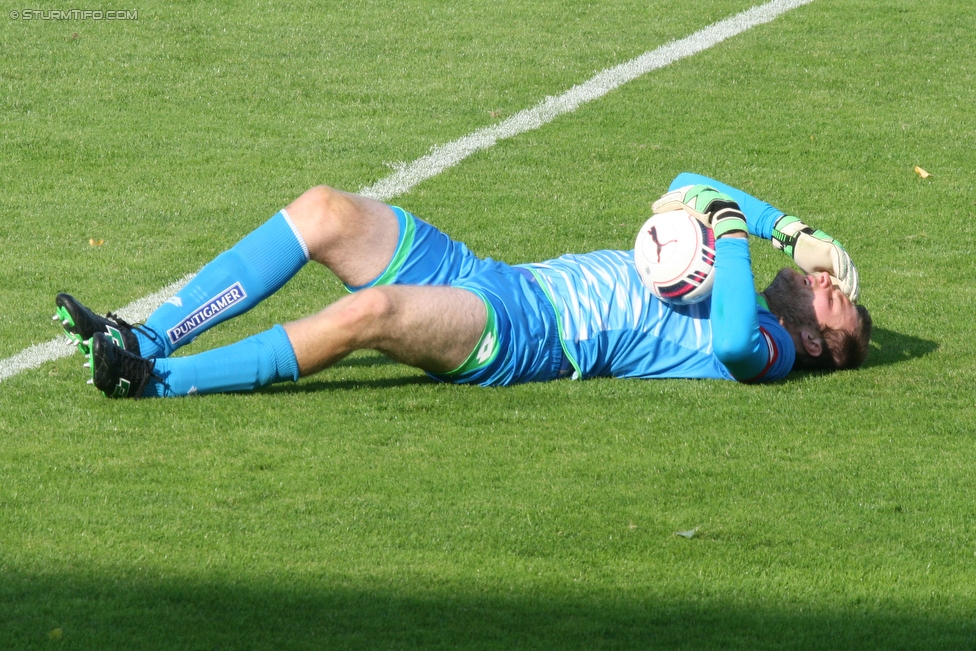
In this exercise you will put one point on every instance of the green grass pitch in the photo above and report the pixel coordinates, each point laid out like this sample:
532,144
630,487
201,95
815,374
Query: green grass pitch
368,507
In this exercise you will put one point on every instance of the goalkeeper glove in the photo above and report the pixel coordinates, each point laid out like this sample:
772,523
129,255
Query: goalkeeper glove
814,250
715,209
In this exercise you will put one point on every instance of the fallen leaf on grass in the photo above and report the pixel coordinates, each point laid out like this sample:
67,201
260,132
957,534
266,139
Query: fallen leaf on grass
95,242
921,172
686,534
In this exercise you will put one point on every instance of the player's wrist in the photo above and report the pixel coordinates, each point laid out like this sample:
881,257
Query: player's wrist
786,231
727,219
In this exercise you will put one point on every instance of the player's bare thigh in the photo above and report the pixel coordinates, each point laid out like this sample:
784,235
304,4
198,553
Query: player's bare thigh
353,236
432,328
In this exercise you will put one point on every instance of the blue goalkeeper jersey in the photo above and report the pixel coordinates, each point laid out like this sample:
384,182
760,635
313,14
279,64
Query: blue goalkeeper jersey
611,325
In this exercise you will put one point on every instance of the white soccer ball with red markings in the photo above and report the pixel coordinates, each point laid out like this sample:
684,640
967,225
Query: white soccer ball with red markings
675,257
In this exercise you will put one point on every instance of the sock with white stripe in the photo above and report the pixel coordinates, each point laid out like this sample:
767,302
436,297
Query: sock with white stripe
231,284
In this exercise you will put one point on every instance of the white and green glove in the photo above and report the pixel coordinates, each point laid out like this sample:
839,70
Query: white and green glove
814,251
715,209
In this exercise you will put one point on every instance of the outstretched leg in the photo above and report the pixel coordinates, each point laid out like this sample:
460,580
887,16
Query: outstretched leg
433,328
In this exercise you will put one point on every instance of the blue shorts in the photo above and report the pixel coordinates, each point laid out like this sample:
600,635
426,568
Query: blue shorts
521,338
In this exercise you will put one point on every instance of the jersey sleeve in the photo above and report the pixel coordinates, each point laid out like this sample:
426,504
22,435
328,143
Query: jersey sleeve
780,348
760,216
751,344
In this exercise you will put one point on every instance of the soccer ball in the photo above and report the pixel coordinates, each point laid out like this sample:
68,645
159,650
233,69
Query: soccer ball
675,257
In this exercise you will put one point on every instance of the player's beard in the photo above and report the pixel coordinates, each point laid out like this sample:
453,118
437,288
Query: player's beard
792,301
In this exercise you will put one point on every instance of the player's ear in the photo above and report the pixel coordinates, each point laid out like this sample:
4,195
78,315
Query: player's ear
813,344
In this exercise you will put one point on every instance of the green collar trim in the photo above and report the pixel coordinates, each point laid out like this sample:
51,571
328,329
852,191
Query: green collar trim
761,300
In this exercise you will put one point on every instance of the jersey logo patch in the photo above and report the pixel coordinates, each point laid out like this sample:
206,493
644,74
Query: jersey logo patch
487,348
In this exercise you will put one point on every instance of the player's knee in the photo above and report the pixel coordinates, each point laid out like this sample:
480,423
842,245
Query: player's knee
320,214
369,312
317,204
375,303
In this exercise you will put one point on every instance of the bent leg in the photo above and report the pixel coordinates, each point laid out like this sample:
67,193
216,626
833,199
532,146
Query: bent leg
355,237
232,283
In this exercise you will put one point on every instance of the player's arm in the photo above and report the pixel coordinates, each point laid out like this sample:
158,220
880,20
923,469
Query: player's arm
737,339
760,216
812,250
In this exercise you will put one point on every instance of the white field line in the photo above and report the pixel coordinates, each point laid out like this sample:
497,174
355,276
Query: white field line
61,346
446,156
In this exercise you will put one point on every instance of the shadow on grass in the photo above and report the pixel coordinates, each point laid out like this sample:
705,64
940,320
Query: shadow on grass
323,385
373,359
890,347
887,347
102,612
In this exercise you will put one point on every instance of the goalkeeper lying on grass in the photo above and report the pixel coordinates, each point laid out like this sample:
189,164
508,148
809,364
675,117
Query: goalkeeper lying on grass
425,300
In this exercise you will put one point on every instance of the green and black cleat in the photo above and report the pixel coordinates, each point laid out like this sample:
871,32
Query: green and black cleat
116,372
81,324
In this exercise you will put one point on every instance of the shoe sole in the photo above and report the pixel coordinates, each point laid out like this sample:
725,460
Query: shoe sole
67,322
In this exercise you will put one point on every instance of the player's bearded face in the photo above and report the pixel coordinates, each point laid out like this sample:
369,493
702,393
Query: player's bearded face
791,300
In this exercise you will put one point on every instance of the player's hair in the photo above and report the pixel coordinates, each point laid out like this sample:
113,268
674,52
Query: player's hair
844,350
850,349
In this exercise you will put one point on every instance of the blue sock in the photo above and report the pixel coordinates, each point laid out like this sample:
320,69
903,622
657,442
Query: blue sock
249,364
233,283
